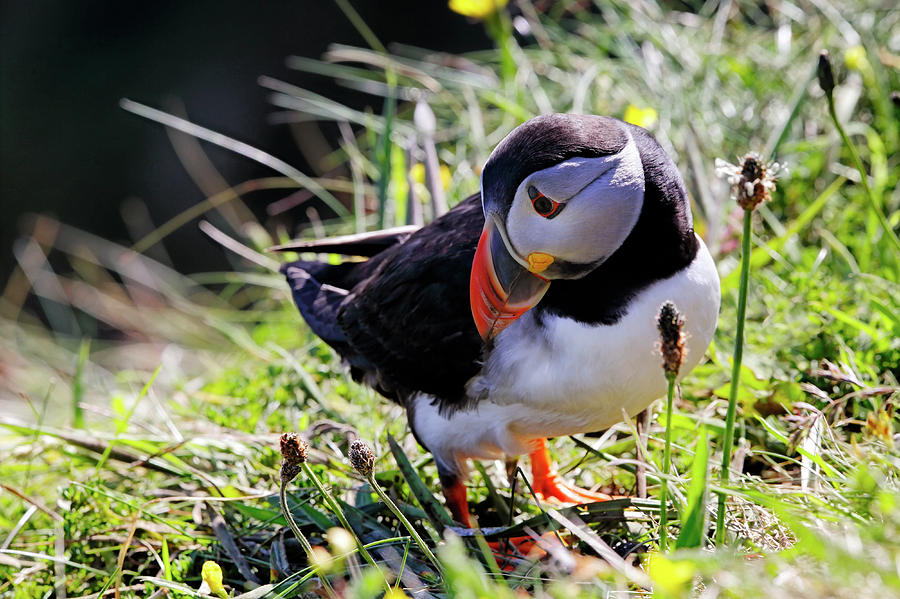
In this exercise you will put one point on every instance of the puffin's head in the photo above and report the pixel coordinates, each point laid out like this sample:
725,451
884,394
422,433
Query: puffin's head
561,194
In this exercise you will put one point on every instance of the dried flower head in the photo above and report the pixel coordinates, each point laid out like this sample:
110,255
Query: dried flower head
751,181
293,454
670,324
361,457
825,73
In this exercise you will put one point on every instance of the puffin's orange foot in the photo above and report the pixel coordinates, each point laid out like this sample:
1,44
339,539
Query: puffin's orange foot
547,483
553,486
517,547
511,551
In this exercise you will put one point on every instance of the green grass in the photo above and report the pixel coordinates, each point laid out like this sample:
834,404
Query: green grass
129,459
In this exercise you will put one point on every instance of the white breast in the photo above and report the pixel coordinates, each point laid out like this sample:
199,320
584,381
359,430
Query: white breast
567,377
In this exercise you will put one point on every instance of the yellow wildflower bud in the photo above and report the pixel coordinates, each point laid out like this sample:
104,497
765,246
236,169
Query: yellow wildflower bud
642,117
340,540
321,558
855,58
477,9
670,577
212,577
445,176
417,174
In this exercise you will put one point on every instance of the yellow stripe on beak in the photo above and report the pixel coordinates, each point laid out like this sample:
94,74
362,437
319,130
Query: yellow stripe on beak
538,262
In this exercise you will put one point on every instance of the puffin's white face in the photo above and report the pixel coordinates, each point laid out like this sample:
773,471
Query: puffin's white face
559,222
576,213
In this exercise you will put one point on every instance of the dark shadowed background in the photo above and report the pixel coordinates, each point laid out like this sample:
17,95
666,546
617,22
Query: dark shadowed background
67,149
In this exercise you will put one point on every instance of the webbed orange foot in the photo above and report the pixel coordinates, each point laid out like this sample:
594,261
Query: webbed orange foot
511,551
549,484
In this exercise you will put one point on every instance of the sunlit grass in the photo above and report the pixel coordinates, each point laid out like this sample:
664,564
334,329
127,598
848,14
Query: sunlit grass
112,482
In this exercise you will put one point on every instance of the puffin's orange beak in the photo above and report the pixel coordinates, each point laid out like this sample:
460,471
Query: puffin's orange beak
501,289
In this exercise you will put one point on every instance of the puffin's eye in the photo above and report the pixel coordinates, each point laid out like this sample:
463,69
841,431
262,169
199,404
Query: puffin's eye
542,204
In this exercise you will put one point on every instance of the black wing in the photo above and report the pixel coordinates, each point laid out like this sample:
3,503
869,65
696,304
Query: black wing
404,322
359,244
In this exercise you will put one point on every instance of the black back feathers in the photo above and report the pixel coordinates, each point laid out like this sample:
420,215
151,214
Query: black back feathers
402,319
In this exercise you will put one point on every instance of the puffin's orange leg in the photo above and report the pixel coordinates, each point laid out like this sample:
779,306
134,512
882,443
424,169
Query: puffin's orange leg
547,482
458,504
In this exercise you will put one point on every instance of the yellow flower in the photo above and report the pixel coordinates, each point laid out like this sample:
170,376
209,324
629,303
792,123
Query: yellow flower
340,540
855,58
880,424
212,577
417,172
445,176
670,577
642,117
477,9
322,559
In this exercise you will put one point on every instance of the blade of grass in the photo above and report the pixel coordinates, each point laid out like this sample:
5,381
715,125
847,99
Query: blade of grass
356,173
438,516
236,146
298,534
694,517
54,559
825,466
667,467
383,158
123,423
403,520
633,574
238,248
339,513
78,384
502,509
210,203
779,135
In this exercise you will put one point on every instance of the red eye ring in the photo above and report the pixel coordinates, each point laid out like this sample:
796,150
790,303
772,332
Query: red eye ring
543,205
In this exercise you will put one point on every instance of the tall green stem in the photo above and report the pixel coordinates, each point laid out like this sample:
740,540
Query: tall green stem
383,155
500,29
304,542
406,523
336,509
725,474
863,176
667,465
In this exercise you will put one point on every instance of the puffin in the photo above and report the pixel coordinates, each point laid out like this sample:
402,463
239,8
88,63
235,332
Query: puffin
528,311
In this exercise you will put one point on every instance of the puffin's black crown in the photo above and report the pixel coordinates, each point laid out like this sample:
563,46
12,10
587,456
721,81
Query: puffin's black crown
543,142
